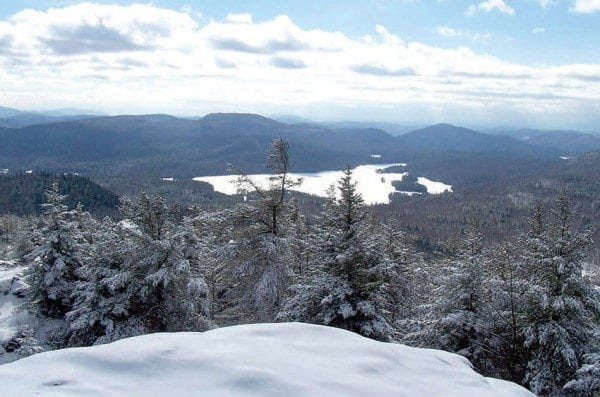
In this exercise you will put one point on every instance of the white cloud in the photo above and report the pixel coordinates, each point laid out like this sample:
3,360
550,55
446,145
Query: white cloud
538,30
142,58
586,6
490,5
546,3
450,32
239,18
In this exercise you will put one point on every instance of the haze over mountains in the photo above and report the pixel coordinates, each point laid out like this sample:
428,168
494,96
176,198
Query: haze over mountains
14,118
191,147
129,153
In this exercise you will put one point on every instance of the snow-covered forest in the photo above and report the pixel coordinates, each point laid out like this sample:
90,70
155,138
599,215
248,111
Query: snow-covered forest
526,310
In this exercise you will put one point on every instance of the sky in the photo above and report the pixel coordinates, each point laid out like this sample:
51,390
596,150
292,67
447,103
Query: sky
517,63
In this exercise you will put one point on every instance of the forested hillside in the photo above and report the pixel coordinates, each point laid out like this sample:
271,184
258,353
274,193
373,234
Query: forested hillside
23,193
501,192
159,144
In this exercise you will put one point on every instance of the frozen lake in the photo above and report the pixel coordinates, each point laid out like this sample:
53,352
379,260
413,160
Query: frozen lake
374,185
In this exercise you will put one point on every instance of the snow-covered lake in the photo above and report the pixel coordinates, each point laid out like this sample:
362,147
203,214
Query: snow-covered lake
374,185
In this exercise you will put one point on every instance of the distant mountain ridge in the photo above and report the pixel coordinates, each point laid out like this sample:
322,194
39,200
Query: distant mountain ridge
162,144
8,112
14,118
447,137
569,142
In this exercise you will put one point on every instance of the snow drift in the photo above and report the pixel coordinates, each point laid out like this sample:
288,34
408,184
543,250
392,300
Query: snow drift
250,360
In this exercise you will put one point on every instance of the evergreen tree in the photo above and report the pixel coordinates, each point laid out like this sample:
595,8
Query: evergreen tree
259,255
564,307
58,254
346,286
587,377
458,313
141,279
507,285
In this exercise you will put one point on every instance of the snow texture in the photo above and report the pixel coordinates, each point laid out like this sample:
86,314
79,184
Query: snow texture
289,359
434,187
374,186
12,289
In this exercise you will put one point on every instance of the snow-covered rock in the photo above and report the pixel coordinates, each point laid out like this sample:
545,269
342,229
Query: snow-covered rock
12,290
288,359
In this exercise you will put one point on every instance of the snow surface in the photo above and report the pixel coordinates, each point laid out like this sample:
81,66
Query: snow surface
374,186
288,359
434,187
11,289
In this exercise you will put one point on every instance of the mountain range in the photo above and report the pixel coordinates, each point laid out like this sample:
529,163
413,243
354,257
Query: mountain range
190,147
126,153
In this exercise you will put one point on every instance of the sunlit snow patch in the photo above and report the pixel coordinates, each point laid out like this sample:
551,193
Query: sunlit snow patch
434,187
374,185
265,360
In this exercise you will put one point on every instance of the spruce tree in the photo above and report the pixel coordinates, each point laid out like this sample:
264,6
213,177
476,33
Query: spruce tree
259,256
458,313
140,279
347,281
58,254
563,309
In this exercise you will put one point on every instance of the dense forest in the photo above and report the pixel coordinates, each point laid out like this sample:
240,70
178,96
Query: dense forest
22,193
518,305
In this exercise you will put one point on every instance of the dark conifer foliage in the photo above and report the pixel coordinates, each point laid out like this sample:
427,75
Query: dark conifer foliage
24,193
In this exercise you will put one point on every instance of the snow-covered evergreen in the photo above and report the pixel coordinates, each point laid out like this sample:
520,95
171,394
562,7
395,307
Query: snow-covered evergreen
348,283
259,255
140,279
564,308
60,249
457,319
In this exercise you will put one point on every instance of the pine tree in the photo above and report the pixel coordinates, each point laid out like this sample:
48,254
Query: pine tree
507,285
58,254
587,377
563,310
102,310
140,279
346,285
458,313
260,260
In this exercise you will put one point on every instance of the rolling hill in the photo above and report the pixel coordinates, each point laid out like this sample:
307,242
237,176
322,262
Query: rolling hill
446,137
159,143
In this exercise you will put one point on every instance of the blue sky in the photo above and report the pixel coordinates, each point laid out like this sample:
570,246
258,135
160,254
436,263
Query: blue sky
478,62
567,36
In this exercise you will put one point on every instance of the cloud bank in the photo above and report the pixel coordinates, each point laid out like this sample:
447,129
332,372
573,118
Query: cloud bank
586,6
142,58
